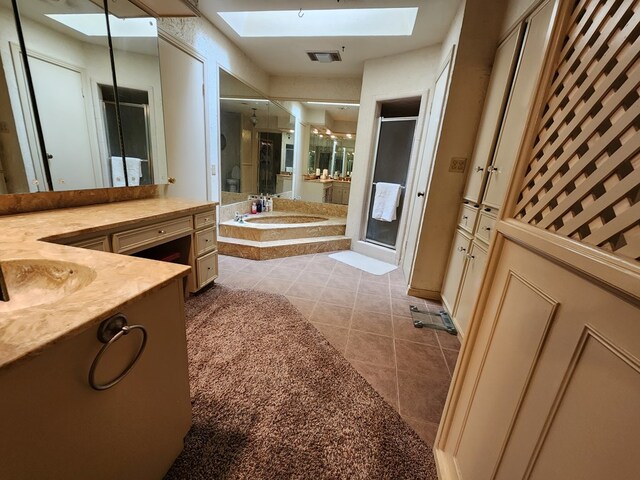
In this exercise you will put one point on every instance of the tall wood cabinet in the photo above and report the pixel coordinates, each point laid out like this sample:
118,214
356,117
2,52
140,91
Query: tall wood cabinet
516,67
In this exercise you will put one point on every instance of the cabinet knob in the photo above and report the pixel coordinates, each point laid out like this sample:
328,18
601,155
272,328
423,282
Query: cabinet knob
470,257
479,169
161,232
421,194
171,180
462,249
487,228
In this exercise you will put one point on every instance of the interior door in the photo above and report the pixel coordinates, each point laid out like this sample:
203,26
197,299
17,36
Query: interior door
59,89
424,173
184,122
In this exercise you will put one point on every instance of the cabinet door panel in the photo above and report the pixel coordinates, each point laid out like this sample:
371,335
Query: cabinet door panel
518,107
470,286
504,65
451,285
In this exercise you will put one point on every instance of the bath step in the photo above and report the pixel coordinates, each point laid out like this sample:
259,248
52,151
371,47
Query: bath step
255,250
269,233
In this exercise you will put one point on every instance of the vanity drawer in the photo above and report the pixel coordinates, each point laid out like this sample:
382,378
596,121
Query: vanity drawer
205,219
207,268
100,244
467,218
485,227
205,241
140,238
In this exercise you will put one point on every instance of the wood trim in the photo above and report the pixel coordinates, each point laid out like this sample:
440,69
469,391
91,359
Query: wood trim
558,22
588,333
620,276
426,294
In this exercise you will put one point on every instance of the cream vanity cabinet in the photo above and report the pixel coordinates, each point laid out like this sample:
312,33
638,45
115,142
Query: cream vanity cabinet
189,239
516,67
317,191
340,193
55,425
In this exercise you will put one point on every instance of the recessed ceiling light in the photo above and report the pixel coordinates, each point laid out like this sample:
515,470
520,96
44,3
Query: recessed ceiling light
334,104
352,22
94,25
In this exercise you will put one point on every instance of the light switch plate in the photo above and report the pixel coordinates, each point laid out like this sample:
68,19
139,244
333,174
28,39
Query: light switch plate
458,165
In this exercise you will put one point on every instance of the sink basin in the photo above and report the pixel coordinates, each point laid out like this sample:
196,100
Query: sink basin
37,282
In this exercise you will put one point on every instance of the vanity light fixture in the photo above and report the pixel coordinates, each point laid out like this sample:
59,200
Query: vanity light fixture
349,135
328,132
253,119
315,131
291,131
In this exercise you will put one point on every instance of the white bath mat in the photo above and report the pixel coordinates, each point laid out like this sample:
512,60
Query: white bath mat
367,264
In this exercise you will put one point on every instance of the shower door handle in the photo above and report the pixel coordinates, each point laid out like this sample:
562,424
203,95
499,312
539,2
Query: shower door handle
421,194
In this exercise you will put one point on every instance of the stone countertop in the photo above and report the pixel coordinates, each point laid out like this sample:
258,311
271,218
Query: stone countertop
328,180
119,279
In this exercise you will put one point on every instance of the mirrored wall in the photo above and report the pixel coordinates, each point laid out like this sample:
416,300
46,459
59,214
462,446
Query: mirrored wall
327,177
256,143
62,124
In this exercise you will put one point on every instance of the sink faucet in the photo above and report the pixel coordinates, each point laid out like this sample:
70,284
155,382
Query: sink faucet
4,292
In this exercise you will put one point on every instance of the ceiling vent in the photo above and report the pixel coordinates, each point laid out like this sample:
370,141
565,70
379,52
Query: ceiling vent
325,57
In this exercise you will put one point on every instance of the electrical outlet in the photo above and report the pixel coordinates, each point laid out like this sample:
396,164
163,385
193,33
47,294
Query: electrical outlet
458,165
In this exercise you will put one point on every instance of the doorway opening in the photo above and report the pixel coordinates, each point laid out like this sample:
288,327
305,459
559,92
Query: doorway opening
134,115
396,130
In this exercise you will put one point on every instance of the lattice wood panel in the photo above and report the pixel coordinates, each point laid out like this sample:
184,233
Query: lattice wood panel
583,177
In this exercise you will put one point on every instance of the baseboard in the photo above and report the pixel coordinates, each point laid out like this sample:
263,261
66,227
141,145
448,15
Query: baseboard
422,293
446,471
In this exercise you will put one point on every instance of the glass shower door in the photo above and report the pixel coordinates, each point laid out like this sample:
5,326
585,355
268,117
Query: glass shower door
395,139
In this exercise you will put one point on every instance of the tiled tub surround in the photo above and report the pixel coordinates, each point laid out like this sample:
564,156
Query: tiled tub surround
366,317
119,279
256,240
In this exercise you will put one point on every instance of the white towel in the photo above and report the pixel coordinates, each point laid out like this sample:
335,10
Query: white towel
386,201
134,171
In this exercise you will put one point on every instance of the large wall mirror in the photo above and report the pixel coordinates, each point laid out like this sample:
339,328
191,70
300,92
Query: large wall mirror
327,178
77,132
256,143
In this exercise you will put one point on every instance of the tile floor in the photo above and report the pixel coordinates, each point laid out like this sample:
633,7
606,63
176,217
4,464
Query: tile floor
366,317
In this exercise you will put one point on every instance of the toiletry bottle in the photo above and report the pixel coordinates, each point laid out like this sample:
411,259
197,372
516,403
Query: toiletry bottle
254,208
259,206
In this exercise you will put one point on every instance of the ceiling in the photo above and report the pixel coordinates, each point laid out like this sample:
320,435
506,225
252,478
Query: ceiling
287,56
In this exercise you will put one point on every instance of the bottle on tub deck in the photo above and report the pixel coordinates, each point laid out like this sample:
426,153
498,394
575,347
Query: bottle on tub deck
259,206
270,204
254,208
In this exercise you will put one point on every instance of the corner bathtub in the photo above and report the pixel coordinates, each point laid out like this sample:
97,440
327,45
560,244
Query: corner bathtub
284,219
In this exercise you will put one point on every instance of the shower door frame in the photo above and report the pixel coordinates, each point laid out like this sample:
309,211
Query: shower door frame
407,187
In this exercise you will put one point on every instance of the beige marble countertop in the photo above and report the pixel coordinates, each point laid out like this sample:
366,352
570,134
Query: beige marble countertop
119,279
328,180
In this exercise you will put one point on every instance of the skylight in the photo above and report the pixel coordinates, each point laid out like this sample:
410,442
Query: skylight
355,22
93,25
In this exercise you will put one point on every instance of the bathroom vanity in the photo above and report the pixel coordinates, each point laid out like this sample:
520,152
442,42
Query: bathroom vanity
76,404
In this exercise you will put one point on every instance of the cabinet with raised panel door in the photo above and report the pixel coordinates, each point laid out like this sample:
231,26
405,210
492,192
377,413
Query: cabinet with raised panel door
517,64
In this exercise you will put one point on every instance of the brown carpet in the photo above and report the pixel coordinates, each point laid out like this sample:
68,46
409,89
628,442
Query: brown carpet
272,399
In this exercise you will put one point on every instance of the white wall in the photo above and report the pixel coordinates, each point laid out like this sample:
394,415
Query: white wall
217,51
134,70
409,74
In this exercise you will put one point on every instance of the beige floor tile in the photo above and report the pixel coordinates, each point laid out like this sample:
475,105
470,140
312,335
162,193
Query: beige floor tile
370,348
336,296
245,281
283,272
372,322
451,357
346,270
304,305
451,342
426,430
303,291
331,315
341,282
422,397
313,278
373,303
383,279
420,359
400,307
382,379
273,285
403,329
336,336
371,288
319,267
